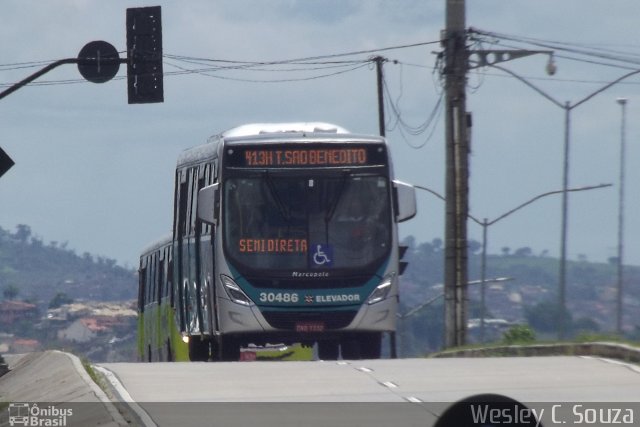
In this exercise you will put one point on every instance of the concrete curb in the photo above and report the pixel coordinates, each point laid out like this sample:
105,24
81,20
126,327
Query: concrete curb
609,350
100,394
55,377
123,396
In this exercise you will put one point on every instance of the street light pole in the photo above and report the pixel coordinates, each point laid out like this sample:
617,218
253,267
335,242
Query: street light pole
562,293
619,313
486,224
483,275
567,107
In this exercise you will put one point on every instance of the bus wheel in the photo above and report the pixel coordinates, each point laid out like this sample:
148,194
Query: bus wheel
198,349
351,348
370,345
230,351
169,355
328,350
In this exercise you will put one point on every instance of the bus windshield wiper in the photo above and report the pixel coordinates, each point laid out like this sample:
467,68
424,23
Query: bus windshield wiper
282,208
336,199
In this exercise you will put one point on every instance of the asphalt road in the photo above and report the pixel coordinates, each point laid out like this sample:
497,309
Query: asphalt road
374,392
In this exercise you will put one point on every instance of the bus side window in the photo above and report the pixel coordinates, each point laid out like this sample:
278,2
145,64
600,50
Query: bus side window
160,278
142,284
191,200
152,279
170,290
202,181
198,179
181,225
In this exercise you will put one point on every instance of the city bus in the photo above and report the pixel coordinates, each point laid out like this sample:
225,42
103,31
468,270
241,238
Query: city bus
282,234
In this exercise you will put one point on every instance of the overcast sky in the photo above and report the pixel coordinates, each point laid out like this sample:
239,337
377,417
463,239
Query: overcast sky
97,173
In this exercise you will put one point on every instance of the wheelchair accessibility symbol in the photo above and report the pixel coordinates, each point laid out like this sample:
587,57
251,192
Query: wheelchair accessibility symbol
323,255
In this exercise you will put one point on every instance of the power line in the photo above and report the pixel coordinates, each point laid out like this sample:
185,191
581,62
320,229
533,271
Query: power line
309,58
208,73
396,121
210,66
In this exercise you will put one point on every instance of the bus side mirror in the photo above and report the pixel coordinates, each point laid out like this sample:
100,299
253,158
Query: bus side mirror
206,208
404,200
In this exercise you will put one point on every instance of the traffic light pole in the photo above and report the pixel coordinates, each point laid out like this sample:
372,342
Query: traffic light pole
36,75
98,62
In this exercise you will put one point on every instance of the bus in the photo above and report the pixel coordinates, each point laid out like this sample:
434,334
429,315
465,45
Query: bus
282,234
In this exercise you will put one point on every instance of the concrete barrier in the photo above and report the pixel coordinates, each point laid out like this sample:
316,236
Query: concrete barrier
609,350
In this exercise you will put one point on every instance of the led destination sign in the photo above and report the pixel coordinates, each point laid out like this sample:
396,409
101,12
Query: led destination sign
303,156
286,246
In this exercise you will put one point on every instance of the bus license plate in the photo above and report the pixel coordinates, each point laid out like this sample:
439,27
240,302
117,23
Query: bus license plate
309,326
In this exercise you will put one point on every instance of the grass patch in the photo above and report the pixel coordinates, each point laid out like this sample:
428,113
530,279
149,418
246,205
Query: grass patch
86,364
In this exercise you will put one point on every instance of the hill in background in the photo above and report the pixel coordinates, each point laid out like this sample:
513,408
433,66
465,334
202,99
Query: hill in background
36,272
53,298
530,296
65,295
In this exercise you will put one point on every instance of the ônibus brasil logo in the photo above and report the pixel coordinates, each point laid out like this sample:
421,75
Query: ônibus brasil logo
31,415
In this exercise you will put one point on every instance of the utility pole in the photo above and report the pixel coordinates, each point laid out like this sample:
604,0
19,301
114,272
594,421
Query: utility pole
379,60
457,147
457,174
380,81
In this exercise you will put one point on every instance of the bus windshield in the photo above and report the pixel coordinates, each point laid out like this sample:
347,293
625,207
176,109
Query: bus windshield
302,222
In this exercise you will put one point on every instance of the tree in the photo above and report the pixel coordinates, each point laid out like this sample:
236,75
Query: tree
59,299
23,233
10,292
523,252
519,334
585,324
409,241
545,316
474,246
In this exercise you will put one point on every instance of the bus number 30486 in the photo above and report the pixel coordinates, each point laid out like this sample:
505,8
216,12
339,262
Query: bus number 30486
278,297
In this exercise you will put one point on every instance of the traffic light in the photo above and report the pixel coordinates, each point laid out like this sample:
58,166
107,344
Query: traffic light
402,250
144,53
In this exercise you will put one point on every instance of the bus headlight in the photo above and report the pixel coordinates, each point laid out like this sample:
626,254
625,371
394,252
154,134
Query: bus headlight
234,292
382,290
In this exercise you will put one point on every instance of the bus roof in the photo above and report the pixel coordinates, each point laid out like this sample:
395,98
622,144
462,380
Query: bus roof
269,128
157,244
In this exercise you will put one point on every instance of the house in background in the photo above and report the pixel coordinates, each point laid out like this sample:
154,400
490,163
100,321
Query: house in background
82,330
11,311
24,345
